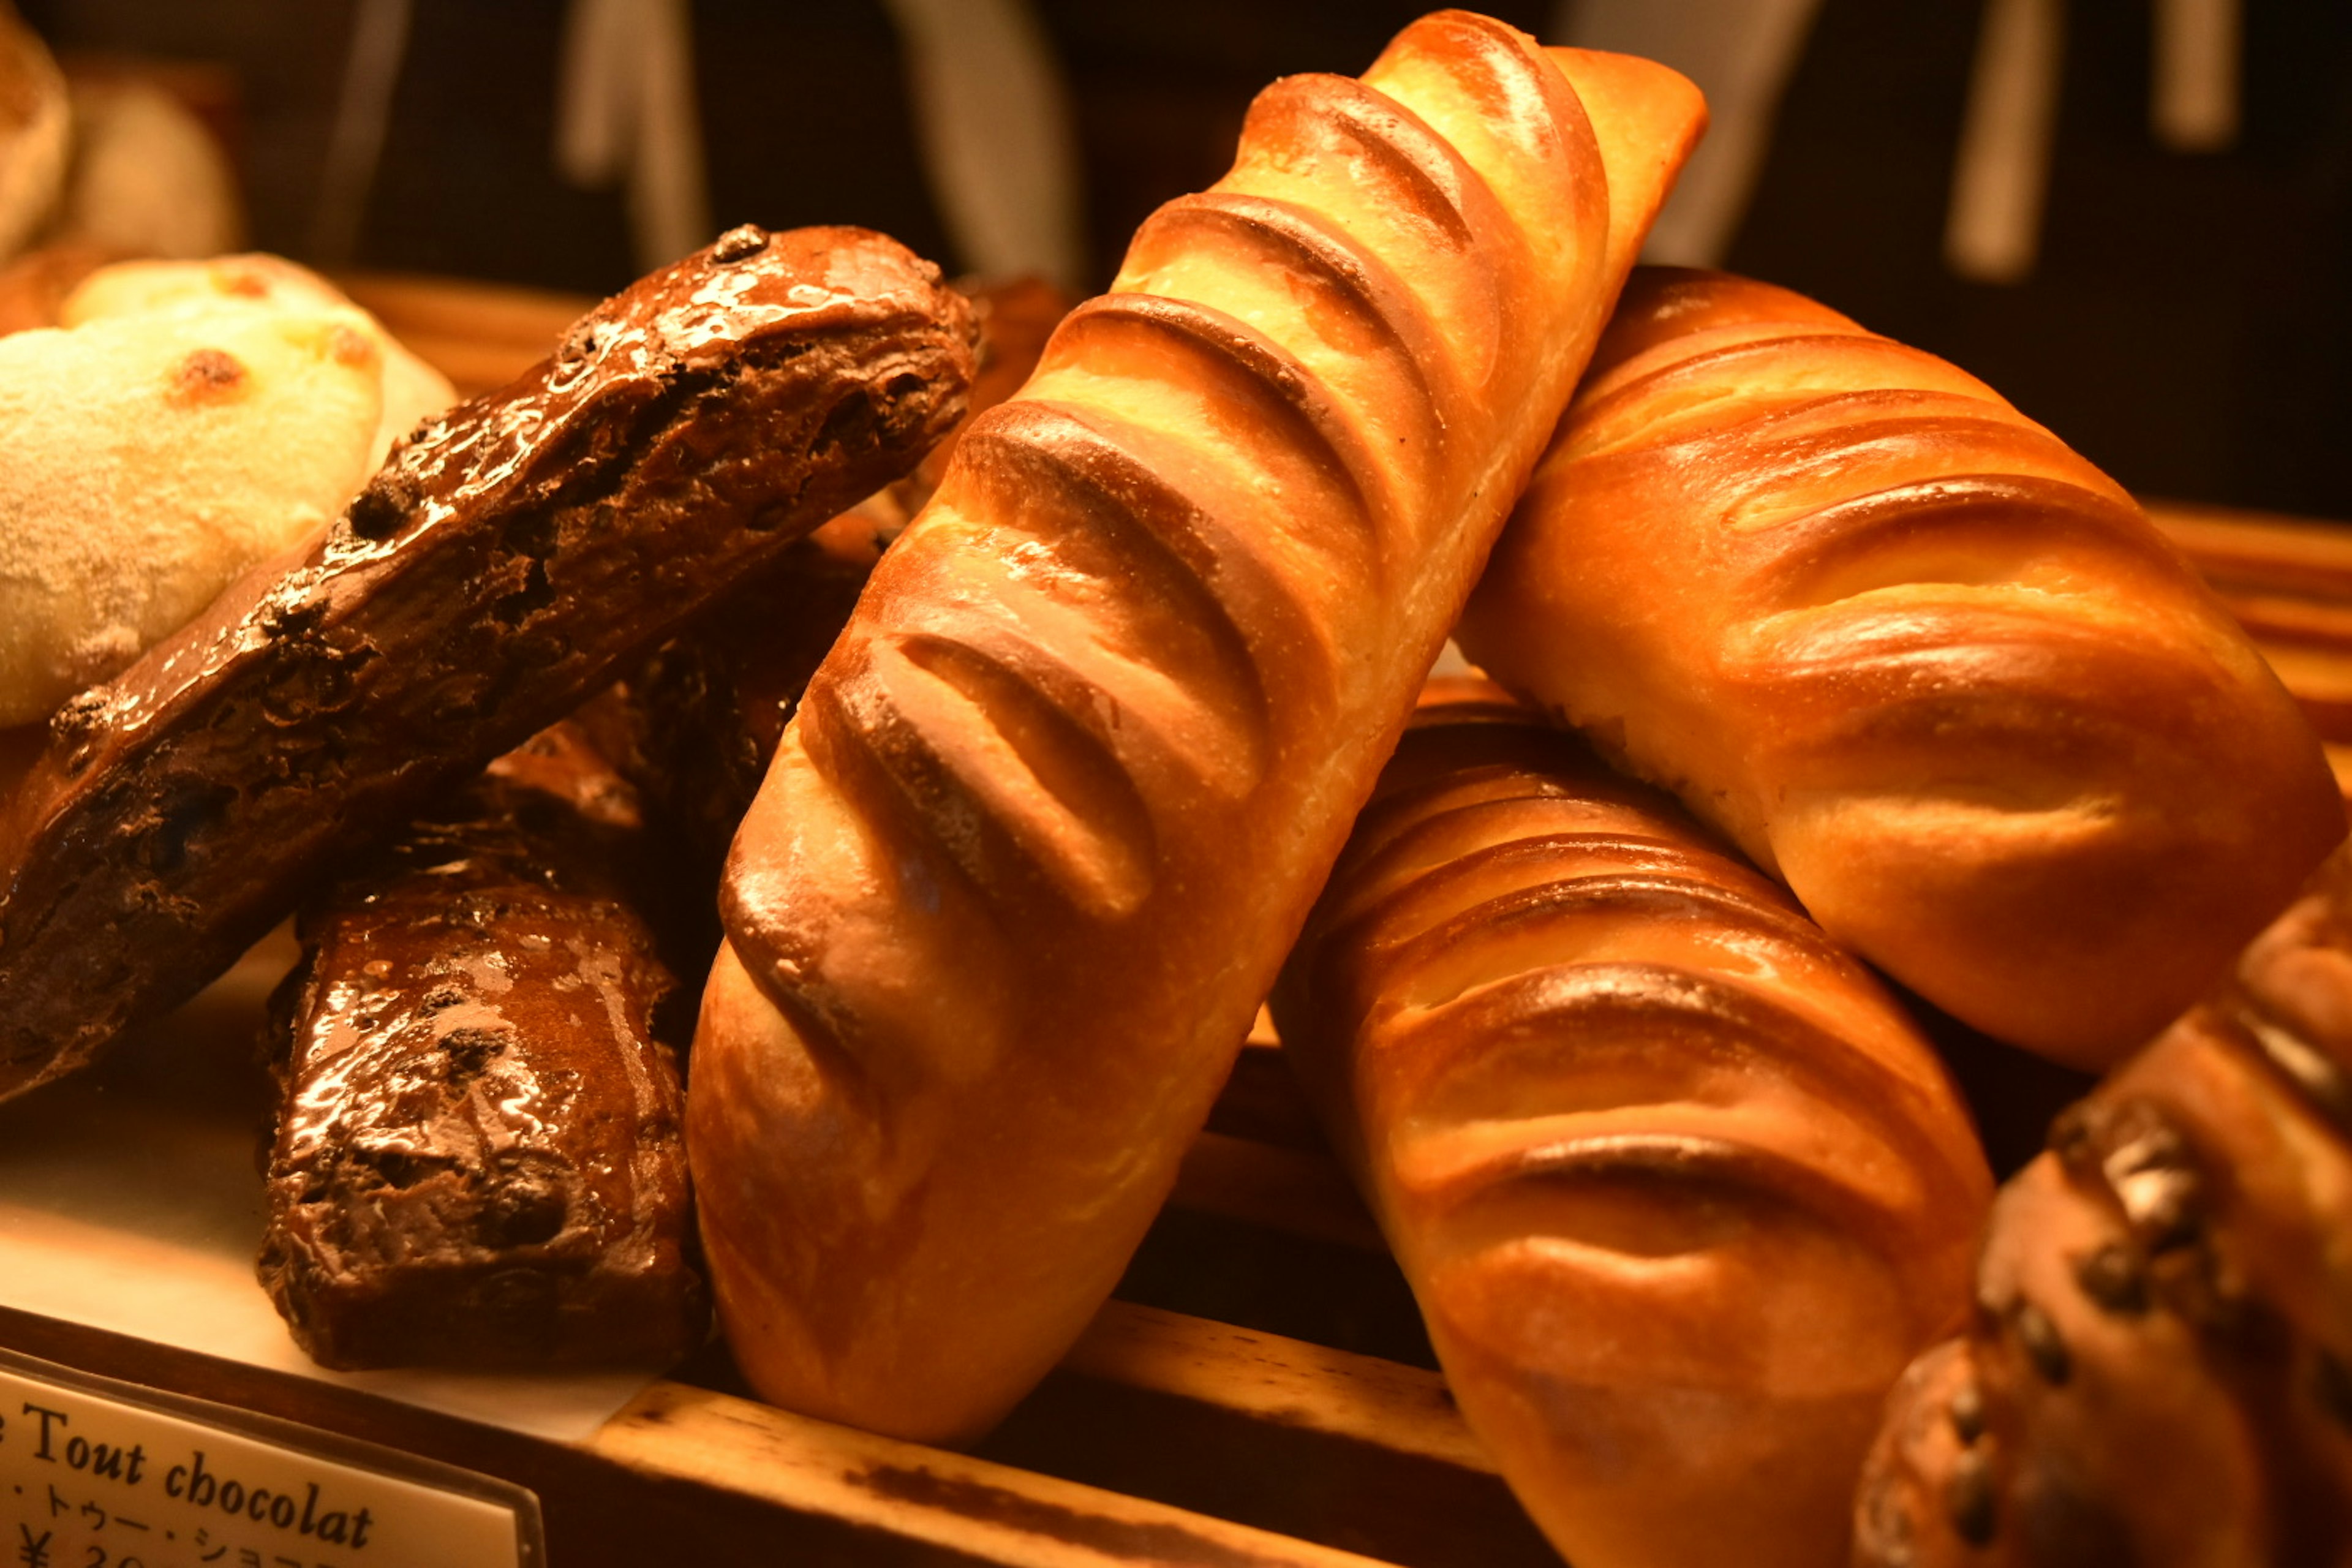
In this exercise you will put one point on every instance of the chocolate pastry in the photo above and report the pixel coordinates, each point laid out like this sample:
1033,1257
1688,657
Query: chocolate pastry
478,1160
2156,1371
511,555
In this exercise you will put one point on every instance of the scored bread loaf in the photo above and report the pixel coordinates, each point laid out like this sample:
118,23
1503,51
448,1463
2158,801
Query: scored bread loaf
2159,1370
1679,1188
1054,807
1914,656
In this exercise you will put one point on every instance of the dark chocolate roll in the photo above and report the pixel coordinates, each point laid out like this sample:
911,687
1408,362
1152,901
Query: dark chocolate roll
2157,1369
478,1160
509,558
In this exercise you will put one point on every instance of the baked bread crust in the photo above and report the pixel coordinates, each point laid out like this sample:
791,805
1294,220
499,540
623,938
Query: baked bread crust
1678,1185
2159,1370
509,559
1051,812
1916,657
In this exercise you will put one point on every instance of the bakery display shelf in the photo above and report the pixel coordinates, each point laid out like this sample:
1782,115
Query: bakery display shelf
1258,1392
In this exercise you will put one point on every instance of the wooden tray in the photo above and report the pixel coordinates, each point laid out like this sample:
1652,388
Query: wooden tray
1259,1391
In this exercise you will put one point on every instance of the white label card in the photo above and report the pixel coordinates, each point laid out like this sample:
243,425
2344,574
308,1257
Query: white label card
99,1475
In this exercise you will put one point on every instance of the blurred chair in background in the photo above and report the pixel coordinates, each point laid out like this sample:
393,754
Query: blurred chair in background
1740,53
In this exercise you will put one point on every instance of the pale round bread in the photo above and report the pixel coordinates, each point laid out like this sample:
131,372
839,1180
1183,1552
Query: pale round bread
147,177
413,390
35,133
147,460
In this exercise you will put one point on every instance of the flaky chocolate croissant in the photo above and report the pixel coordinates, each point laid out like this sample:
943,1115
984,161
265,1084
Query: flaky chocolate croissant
1054,807
1914,656
1679,1187
2159,1370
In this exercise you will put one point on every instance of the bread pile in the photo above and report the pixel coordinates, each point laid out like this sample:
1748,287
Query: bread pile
507,563
1679,1182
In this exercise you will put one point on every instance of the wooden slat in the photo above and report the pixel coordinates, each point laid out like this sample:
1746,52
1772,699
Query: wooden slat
2303,557
2272,617
967,1510
500,312
1348,1451
1284,1382
2288,581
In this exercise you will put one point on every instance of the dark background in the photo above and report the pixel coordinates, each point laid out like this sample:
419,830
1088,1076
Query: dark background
2188,327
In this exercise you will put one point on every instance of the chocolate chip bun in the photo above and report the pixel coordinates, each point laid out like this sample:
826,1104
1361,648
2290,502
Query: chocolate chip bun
2160,1367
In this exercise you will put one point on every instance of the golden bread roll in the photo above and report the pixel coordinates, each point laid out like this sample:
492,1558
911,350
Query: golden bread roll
146,461
1914,656
1679,1187
413,390
1051,812
2158,1371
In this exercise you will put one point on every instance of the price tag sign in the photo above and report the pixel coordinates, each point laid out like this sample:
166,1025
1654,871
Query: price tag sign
98,1474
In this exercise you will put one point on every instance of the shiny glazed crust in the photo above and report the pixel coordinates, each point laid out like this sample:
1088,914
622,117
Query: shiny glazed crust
508,558
1914,656
1679,1188
480,1159
2159,1370
1051,812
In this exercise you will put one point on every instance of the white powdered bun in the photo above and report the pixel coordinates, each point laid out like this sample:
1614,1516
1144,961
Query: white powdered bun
147,460
413,390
